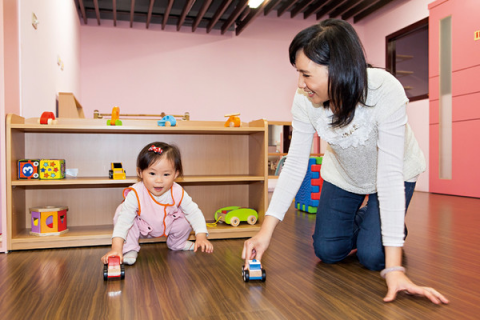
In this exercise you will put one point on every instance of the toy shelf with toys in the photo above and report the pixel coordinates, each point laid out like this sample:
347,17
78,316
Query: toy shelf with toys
223,166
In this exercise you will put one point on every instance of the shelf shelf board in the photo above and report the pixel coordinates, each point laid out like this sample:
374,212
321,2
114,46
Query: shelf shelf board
102,235
79,181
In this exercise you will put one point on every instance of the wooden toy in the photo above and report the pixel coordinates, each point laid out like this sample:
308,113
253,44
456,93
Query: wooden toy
52,169
117,172
253,271
47,118
233,120
28,168
113,270
115,120
234,214
167,121
49,220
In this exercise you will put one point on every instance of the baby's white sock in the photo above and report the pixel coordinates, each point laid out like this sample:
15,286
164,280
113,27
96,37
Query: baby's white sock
189,245
130,257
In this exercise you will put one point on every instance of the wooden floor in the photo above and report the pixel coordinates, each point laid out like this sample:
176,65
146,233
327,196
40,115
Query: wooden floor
442,251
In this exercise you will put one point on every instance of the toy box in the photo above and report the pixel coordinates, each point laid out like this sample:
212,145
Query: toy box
28,168
49,220
52,169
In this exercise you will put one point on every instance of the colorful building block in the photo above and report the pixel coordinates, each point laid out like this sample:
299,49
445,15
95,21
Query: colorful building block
52,169
28,169
308,196
48,221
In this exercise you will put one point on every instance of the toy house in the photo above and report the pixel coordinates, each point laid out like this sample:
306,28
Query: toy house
49,220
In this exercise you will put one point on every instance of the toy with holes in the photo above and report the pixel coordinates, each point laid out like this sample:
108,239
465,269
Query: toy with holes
234,214
113,270
49,221
52,169
233,120
115,119
47,118
167,121
253,271
308,195
28,169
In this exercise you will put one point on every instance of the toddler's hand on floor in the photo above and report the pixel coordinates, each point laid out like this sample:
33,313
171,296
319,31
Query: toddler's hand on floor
203,243
110,254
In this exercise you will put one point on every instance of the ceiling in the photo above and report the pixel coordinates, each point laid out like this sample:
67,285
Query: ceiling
224,15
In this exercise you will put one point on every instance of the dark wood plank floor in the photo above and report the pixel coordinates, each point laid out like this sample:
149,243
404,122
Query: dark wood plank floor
442,251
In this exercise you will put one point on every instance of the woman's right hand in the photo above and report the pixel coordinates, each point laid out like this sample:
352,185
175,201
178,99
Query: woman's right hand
110,254
255,247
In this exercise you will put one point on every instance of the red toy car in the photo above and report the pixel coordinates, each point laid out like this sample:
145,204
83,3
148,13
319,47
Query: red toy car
114,269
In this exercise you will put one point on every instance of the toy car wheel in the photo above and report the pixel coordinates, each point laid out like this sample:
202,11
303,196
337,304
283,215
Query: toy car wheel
235,221
122,271
264,275
246,275
110,174
251,220
105,272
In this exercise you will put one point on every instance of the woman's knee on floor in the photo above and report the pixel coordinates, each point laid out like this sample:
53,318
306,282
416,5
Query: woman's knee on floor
372,259
332,251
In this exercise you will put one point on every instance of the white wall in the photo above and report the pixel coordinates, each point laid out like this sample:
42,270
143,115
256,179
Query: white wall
375,29
57,35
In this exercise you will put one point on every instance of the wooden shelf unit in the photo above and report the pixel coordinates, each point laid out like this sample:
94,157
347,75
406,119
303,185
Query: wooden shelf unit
222,167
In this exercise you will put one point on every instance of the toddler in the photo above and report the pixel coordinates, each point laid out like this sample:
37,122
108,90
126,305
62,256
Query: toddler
157,206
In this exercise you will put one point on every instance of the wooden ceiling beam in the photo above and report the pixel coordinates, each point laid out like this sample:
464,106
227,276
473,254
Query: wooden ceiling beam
300,7
218,14
97,10
370,10
254,13
149,14
167,13
287,5
270,6
186,10
200,14
132,12
365,4
238,10
314,8
82,10
329,7
343,8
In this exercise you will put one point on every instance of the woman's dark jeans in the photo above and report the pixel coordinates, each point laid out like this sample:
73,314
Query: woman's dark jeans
342,226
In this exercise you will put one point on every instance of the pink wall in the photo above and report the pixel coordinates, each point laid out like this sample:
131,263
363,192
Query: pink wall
3,196
209,75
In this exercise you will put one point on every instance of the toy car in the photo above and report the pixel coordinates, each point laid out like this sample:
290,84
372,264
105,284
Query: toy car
113,269
117,172
167,121
253,271
234,214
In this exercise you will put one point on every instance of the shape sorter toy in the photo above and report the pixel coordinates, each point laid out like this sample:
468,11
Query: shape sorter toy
308,195
49,220
28,169
52,169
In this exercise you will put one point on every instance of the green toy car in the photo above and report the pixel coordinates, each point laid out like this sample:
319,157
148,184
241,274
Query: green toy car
234,214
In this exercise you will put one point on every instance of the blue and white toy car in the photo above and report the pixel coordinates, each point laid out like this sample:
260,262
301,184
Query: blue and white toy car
253,271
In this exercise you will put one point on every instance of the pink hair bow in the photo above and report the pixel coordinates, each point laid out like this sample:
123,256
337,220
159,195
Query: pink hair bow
155,149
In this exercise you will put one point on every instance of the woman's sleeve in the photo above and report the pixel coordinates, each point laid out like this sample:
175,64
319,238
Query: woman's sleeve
126,216
294,169
390,184
193,214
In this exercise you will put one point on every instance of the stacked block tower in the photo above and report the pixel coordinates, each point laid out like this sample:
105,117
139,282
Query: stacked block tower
308,195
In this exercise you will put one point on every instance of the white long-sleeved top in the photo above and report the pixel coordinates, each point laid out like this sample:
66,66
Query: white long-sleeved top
129,209
376,152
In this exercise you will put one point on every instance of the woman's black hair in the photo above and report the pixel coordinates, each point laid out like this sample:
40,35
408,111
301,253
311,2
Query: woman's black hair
335,44
156,150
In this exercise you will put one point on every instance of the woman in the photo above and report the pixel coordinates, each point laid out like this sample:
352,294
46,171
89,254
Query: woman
361,112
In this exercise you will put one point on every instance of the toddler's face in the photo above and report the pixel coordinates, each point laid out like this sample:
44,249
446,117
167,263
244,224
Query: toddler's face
159,177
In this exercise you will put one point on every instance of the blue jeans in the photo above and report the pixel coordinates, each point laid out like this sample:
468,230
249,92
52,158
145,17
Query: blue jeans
341,227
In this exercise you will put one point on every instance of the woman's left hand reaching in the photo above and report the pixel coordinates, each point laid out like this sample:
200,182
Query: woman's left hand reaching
398,281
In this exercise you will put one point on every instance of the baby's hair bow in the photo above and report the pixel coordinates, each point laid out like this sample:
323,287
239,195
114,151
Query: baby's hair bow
155,149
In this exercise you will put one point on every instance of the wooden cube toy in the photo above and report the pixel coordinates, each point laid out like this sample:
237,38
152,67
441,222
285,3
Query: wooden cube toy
49,220
28,169
52,169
